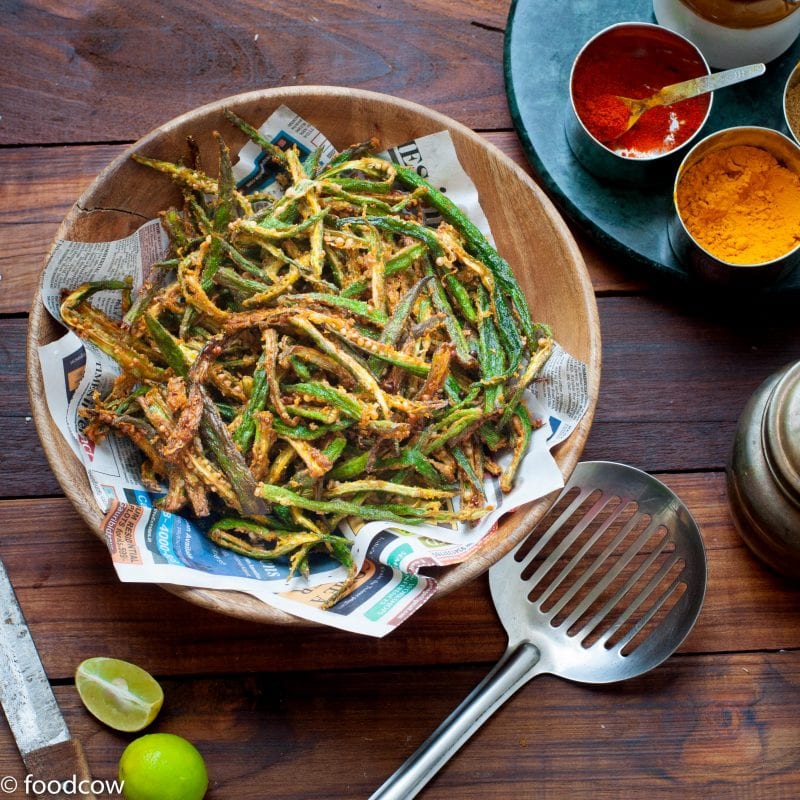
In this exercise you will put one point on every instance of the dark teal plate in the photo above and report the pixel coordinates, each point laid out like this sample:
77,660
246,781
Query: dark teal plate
542,40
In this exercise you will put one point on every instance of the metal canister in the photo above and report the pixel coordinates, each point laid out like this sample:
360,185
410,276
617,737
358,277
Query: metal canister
763,473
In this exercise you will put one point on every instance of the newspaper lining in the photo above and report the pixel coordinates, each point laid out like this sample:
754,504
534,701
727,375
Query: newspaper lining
150,545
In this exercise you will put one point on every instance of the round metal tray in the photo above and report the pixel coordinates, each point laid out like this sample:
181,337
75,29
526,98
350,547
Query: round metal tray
542,40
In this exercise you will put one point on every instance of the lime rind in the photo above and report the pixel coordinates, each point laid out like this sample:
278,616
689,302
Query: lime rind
163,766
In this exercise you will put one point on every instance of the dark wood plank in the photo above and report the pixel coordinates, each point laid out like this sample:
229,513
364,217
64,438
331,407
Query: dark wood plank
22,259
13,382
77,607
112,73
652,447
39,184
689,364
668,735
24,471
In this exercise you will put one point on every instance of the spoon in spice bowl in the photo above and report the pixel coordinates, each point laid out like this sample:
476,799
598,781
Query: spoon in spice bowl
675,92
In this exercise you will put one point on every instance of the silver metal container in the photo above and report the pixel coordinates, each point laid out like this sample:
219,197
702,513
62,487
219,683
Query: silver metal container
792,82
601,160
763,474
694,256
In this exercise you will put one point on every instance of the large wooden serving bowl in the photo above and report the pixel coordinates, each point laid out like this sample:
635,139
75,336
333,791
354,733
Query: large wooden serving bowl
528,231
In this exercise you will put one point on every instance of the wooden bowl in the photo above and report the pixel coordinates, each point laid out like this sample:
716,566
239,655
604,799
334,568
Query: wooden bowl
529,233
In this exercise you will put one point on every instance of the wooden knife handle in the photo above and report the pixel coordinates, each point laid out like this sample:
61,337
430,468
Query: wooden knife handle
63,767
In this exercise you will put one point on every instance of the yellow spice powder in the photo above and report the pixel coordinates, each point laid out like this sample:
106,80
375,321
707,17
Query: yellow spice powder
741,204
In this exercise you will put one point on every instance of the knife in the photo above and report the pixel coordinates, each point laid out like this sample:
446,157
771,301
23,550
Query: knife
54,759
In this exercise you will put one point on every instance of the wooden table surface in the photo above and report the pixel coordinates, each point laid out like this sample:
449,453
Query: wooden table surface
299,714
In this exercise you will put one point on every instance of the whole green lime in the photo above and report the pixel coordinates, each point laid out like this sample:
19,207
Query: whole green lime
162,766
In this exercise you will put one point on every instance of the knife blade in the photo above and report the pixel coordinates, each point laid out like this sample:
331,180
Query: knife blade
52,756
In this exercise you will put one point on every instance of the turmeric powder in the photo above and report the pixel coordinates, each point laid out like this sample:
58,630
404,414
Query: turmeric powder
741,205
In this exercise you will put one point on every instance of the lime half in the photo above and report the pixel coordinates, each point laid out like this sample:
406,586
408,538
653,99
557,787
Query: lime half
123,696
162,766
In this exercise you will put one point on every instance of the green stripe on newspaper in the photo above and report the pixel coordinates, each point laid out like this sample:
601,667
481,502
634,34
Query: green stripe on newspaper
384,606
397,555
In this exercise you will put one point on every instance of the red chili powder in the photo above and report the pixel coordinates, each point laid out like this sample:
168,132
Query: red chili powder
617,65
608,117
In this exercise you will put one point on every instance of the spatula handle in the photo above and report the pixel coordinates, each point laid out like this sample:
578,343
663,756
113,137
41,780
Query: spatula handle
517,666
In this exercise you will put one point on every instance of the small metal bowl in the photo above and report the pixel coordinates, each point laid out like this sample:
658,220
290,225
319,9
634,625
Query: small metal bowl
699,261
598,158
792,83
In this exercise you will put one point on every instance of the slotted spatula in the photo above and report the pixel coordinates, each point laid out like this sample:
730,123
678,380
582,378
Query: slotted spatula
605,588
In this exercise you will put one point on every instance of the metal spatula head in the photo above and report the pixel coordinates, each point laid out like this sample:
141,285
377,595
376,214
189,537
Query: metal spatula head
605,587
610,581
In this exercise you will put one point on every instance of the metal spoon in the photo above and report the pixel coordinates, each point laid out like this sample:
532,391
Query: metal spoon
675,92
605,588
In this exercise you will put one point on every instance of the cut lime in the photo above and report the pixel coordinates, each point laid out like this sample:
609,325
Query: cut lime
121,695
162,766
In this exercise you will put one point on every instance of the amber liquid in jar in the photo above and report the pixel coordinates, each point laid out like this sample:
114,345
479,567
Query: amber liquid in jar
742,13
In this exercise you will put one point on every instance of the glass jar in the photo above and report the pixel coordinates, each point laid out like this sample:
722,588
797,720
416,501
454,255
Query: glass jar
763,473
